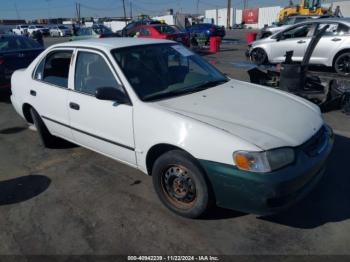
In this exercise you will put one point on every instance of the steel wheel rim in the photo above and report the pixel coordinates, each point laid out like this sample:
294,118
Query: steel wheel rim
178,187
342,65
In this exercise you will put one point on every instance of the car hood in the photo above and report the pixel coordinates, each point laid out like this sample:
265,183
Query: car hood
261,116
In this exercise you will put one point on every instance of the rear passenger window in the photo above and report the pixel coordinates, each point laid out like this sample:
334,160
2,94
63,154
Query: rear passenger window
91,73
54,69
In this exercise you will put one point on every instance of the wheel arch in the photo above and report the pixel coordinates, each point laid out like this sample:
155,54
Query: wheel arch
26,113
159,149
267,59
338,54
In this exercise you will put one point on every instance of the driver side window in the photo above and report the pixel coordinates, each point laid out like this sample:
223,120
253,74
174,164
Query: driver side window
298,32
92,72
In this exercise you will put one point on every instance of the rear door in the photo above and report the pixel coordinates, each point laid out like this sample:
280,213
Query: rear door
330,42
49,91
294,39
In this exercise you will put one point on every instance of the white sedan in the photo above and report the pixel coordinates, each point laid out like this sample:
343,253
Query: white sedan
156,106
60,30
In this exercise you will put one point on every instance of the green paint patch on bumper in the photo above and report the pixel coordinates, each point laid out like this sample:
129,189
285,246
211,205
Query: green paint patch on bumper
272,192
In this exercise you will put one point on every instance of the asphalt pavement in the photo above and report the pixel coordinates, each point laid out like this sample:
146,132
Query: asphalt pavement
74,201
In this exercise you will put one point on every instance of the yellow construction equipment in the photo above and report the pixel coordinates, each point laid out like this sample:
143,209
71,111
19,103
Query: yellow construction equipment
306,7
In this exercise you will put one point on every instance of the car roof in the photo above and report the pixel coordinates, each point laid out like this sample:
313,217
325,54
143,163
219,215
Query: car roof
108,44
322,21
304,16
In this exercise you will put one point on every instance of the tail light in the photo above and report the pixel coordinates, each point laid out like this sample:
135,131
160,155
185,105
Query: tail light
2,61
101,36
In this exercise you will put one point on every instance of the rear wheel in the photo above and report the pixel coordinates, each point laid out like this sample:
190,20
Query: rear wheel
342,64
181,185
46,138
259,56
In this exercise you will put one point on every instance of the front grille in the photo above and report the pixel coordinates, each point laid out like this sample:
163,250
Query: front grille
316,143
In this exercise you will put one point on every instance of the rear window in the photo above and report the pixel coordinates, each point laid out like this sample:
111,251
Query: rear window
165,29
17,43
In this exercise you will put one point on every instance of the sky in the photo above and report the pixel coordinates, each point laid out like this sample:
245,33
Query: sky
30,9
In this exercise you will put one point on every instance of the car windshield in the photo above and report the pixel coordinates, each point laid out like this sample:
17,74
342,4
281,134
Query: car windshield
62,27
17,43
24,26
165,29
39,26
162,71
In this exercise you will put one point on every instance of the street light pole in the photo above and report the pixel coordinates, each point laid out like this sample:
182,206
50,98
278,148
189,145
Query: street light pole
228,22
124,12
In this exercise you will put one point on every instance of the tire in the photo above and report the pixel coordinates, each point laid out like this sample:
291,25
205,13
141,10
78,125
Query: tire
259,56
342,64
47,140
181,185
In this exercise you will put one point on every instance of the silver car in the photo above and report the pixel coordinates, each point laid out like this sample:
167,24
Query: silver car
292,20
60,30
333,50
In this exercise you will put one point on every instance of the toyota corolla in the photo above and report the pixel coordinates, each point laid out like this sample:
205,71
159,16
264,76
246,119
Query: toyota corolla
153,104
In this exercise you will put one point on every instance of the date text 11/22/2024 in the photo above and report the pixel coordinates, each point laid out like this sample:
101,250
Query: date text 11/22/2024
173,258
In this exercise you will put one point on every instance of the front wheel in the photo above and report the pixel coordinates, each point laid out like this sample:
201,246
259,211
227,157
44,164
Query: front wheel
181,185
259,56
342,64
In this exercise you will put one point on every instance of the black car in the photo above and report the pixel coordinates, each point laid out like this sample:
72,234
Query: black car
15,52
127,29
207,30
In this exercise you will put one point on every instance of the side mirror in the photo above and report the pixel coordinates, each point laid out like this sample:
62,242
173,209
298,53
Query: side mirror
112,94
278,37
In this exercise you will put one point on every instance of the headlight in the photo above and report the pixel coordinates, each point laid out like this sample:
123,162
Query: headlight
263,162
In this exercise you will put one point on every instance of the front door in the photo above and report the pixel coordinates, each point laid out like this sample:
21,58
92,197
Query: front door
103,126
295,39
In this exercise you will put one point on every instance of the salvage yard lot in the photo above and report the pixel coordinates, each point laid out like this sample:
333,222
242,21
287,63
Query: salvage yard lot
74,201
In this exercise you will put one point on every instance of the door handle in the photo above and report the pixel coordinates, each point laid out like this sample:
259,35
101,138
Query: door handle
301,42
74,106
336,39
32,93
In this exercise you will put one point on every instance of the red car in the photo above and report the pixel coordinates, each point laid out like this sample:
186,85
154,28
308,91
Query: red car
161,31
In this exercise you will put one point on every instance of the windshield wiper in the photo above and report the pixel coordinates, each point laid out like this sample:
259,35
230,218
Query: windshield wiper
194,89
209,84
165,95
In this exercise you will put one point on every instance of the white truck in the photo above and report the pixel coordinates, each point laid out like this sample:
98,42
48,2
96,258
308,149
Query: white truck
20,30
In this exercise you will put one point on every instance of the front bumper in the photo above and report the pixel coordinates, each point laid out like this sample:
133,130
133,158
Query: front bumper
270,193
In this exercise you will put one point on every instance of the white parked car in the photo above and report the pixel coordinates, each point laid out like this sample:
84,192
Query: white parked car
42,29
333,50
158,107
60,30
20,30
